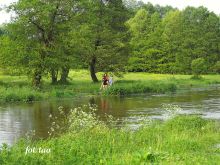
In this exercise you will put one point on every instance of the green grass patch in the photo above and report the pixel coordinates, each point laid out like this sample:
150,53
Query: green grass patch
138,87
24,94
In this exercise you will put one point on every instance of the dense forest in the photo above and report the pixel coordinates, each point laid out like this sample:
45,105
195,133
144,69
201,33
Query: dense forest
51,37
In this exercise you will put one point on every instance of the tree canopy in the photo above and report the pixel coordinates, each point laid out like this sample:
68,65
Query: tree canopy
168,41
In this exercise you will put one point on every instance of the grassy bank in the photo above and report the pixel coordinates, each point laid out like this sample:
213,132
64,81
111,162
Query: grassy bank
18,88
181,140
125,87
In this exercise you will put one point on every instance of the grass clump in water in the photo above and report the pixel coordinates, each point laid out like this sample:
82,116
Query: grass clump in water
132,87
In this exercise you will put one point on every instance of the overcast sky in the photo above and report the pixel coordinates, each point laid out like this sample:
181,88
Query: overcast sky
5,17
212,5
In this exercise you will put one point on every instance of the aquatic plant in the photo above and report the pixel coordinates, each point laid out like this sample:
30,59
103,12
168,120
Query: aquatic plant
78,119
171,111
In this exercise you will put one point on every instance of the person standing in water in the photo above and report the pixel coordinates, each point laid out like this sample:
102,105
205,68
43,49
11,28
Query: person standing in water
105,81
110,80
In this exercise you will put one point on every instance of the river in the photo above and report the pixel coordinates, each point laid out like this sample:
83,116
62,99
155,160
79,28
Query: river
18,118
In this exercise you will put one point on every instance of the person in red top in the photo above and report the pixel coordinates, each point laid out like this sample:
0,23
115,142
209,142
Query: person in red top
104,84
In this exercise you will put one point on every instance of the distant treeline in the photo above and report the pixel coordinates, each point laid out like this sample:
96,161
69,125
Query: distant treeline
166,40
48,38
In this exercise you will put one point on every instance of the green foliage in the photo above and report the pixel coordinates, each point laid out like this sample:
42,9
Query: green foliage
178,37
216,67
102,39
35,43
51,37
23,94
198,66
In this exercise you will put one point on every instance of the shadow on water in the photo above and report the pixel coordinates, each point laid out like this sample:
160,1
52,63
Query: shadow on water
17,119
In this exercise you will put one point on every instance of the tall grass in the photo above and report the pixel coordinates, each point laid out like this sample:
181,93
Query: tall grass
135,87
179,140
24,94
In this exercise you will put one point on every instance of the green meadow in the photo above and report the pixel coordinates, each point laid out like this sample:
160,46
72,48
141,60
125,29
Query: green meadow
18,88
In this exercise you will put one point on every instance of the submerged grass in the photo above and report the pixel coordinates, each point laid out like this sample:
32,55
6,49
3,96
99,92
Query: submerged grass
18,88
180,140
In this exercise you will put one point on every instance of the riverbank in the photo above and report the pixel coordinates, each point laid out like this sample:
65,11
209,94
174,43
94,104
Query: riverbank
18,88
181,140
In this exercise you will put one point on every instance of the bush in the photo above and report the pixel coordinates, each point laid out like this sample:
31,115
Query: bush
216,67
12,98
198,66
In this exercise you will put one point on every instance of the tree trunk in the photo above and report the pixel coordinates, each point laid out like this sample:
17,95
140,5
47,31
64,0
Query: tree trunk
37,79
53,76
92,70
64,75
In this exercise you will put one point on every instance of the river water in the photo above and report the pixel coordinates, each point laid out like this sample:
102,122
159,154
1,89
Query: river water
18,118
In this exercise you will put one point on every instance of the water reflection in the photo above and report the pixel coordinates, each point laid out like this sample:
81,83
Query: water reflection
17,119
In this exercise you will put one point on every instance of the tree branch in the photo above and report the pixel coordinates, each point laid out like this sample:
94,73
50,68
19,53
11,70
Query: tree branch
40,28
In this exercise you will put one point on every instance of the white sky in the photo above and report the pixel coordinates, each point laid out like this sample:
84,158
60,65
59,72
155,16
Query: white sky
5,17
212,5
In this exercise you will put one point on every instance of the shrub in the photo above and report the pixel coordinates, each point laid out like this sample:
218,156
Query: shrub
198,66
216,67
12,98
30,97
